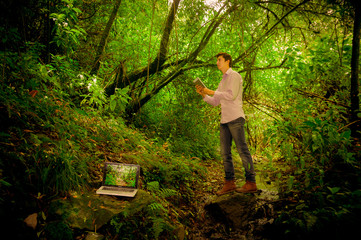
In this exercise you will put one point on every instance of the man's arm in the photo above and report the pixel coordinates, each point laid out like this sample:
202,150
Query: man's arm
232,88
208,91
205,92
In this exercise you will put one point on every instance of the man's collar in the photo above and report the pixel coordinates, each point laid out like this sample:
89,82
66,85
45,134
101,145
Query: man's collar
228,71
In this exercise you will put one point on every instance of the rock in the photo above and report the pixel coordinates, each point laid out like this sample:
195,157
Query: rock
235,209
139,202
91,211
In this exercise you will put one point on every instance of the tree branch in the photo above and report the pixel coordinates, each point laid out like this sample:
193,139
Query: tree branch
158,62
314,95
104,37
267,34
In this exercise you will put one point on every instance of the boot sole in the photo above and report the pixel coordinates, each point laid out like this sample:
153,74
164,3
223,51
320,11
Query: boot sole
230,191
253,191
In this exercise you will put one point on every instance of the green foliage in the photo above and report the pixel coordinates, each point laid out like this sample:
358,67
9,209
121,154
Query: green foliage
50,163
315,144
60,148
49,130
156,218
119,100
173,174
175,118
161,192
67,33
58,231
58,72
326,141
312,145
151,222
332,213
322,69
97,98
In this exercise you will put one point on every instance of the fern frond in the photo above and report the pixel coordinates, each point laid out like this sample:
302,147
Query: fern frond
153,186
167,192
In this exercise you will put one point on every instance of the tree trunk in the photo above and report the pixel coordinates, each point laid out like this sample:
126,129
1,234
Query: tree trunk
156,64
355,104
137,102
103,39
47,33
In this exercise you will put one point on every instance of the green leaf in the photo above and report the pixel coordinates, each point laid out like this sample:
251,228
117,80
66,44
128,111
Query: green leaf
290,182
334,190
2,134
113,104
4,183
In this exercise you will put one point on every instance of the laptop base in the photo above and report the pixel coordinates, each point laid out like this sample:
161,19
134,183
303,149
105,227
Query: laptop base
120,192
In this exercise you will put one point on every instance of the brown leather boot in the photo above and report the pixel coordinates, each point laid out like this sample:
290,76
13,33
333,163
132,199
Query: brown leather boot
249,187
229,186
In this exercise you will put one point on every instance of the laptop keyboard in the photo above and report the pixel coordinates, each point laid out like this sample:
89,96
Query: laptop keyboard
117,189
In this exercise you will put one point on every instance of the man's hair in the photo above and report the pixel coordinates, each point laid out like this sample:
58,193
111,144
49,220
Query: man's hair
226,57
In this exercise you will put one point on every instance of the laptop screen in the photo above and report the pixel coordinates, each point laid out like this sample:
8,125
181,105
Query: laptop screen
122,175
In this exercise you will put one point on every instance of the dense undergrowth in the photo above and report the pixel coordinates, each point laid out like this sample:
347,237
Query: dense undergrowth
50,146
52,143
321,182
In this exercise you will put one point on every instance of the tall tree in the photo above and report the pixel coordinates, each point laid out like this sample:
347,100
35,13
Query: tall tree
103,40
121,81
141,97
355,101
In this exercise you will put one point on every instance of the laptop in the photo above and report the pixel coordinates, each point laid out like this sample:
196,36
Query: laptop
120,179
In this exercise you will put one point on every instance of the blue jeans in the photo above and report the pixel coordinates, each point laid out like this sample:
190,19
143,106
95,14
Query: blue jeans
235,130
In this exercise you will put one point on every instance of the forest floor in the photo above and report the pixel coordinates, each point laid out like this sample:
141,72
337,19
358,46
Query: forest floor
59,136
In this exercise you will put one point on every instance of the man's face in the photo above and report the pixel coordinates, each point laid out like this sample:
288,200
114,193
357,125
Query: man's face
222,64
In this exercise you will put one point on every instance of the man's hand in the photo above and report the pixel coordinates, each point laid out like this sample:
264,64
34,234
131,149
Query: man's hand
208,91
199,90
204,91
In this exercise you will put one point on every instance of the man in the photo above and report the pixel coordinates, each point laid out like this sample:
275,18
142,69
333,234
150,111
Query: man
229,95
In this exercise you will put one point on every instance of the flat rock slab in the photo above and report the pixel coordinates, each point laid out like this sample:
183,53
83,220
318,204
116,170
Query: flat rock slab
90,211
232,209
237,209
